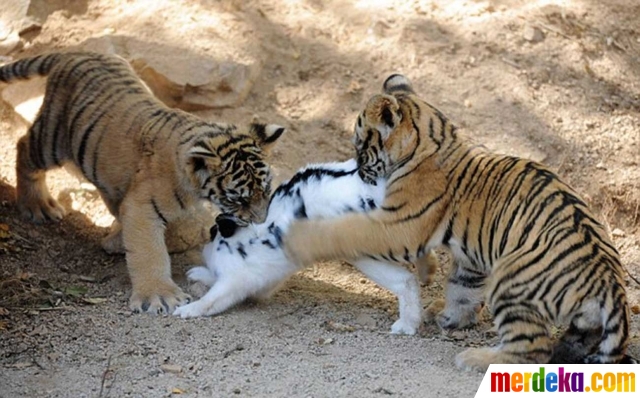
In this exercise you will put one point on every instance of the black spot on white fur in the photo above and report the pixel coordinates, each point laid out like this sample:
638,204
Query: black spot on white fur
301,211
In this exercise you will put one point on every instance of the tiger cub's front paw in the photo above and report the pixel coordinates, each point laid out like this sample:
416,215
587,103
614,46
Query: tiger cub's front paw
162,298
41,209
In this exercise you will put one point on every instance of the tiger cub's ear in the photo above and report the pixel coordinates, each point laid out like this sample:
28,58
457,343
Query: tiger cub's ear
397,82
383,113
203,161
266,134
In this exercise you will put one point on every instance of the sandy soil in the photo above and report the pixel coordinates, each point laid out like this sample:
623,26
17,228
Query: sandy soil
570,100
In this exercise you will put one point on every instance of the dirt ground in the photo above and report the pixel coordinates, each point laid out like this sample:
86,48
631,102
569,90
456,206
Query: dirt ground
555,81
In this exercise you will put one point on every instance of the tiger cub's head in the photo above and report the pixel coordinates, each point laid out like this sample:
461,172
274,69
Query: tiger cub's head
230,170
373,161
393,126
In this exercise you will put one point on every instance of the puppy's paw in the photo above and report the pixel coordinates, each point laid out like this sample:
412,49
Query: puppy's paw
192,310
162,298
405,326
202,275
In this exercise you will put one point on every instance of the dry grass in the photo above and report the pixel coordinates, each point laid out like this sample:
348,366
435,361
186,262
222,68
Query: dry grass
22,290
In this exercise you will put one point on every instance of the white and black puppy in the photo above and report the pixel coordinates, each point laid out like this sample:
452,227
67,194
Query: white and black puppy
244,262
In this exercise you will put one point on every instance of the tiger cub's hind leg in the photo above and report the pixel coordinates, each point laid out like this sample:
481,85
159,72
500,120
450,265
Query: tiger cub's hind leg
112,243
524,338
463,297
614,336
33,197
577,342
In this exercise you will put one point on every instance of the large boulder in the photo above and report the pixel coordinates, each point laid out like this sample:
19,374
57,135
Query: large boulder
181,78
194,83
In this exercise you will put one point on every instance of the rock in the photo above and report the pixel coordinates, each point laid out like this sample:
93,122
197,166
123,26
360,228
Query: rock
364,319
22,20
9,39
532,34
169,368
39,10
193,83
339,327
184,79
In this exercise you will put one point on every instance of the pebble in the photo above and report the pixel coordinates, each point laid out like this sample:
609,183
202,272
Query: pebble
366,320
532,34
169,368
618,233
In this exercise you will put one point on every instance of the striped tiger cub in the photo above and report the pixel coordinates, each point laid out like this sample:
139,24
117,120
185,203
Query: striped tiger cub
151,164
522,239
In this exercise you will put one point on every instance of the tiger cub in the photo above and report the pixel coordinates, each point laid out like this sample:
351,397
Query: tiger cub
520,236
151,164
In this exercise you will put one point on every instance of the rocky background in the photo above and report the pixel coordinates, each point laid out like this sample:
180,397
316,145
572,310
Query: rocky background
555,81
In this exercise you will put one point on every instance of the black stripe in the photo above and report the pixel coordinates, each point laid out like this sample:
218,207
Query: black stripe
135,107
87,132
158,213
421,212
93,87
241,250
301,177
454,168
450,153
178,199
166,118
28,64
35,152
47,63
395,179
231,140
393,208
208,134
525,337
36,147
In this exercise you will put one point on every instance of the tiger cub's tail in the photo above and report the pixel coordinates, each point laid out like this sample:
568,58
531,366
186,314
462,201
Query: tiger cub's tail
28,67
